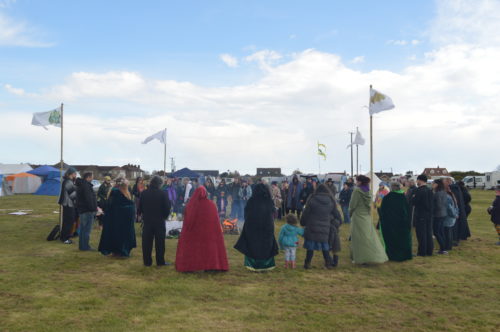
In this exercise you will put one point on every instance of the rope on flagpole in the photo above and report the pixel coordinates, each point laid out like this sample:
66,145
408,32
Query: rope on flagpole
61,167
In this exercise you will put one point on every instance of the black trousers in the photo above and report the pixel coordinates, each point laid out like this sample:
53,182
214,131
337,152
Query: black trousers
69,218
153,231
326,256
438,226
423,229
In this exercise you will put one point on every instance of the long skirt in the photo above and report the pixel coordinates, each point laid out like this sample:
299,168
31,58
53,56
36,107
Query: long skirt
259,265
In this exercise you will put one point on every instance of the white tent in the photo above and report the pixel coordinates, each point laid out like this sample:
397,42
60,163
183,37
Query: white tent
24,183
376,182
9,169
4,187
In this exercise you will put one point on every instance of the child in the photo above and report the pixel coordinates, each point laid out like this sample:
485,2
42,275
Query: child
222,205
494,211
288,239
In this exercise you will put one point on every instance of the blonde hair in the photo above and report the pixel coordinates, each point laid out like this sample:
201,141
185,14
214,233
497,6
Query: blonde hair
124,189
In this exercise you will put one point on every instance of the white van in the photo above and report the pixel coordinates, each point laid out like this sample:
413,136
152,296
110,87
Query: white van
475,182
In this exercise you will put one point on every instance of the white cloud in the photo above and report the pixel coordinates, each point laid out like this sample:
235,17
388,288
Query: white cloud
264,58
229,60
358,59
15,91
18,33
397,42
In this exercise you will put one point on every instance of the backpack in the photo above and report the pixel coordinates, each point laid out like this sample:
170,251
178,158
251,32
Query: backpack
54,233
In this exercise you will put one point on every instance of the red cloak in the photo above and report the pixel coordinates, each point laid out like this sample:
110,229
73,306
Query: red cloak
201,243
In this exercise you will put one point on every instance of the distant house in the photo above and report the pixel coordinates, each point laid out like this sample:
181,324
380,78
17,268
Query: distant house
384,176
207,172
433,172
133,171
269,172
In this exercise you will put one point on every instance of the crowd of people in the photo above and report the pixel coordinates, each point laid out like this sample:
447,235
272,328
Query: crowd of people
310,209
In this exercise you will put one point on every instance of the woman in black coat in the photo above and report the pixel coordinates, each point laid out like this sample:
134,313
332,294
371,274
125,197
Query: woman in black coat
321,220
257,241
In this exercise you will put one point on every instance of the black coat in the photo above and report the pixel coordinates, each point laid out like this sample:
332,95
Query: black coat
319,216
461,228
494,211
421,200
257,239
86,200
154,206
345,197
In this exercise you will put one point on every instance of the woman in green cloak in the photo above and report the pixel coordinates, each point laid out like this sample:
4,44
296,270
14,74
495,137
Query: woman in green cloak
395,224
365,244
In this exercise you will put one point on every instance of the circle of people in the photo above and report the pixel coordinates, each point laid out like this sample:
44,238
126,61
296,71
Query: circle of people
310,210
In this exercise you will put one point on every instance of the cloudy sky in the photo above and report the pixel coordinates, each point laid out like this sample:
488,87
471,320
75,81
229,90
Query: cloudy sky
246,84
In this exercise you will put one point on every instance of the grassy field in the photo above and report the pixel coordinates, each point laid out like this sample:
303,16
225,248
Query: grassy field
48,286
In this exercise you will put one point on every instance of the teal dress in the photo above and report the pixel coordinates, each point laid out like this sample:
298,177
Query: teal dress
118,233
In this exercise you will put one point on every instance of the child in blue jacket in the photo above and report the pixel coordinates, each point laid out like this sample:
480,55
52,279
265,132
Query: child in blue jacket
288,239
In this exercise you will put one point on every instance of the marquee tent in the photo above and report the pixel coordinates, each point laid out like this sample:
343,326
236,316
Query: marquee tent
9,169
24,183
4,187
185,173
51,186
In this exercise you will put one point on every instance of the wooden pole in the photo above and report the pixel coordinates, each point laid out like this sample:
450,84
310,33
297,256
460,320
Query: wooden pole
61,165
371,144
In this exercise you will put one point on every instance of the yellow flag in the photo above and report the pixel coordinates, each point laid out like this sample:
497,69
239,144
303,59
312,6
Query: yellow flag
322,150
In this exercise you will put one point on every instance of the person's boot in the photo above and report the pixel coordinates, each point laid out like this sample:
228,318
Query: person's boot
286,264
307,264
335,260
294,264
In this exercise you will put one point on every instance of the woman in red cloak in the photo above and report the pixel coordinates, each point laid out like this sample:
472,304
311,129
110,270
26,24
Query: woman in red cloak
201,243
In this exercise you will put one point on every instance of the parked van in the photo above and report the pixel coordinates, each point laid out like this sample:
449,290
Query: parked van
472,182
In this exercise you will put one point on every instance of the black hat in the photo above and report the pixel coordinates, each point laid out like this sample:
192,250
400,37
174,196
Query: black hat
422,177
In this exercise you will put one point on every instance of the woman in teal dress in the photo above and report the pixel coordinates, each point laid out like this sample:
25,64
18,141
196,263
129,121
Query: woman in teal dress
366,246
118,233
257,241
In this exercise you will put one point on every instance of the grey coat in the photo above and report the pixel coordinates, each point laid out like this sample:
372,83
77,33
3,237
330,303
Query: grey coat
321,220
440,204
67,197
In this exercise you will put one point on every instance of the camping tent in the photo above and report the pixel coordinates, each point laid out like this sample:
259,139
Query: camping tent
4,187
44,171
9,169
24,183
185,173
51,186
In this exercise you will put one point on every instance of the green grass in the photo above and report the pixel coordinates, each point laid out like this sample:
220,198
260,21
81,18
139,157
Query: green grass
48,286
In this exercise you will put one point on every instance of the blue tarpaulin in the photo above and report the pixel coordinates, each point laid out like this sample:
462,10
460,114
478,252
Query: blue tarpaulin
44,171
185,173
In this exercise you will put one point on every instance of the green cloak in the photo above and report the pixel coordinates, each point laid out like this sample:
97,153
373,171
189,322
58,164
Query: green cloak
118,232
365,243
395,225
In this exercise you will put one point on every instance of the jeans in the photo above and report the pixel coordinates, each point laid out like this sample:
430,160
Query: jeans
290,254
438,227
86,222
345,212
448,238
326,256
235,209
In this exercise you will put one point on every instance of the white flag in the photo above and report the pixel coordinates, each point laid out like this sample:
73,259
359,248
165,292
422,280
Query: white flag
44,119
161,136
379,102
358,139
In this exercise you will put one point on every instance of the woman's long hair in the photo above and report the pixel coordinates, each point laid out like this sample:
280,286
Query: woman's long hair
124,190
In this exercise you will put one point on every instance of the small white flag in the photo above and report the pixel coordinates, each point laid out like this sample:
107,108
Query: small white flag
358,139
44,119
161,136
379,102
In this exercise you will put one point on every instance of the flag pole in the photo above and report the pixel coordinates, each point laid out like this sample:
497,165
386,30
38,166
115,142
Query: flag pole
357,155
352,165
61,165
165,157
371,143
